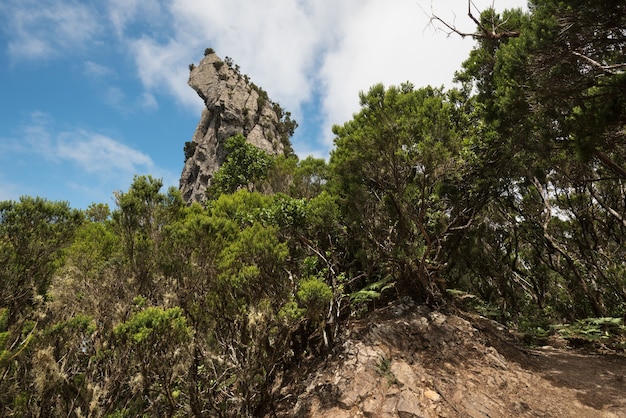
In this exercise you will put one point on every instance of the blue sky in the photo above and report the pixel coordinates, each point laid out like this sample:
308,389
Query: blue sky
94,92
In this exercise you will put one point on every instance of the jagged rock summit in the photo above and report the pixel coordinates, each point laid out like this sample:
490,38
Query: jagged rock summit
233,105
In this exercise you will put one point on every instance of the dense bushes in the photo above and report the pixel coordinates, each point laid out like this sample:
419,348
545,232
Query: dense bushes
163,309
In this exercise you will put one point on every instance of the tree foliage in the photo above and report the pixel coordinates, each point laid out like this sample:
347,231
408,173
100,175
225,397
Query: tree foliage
554,100
403,169
33,233
245,166
510,188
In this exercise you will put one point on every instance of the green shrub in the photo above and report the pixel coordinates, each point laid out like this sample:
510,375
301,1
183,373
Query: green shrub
315,296
592,330
190,149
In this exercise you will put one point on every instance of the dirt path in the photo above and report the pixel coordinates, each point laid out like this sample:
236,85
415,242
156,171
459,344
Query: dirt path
598,381
428,364
578,378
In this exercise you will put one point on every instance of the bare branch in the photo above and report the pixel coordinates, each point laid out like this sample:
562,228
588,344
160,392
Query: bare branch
614,69
496,33
607,162
605,206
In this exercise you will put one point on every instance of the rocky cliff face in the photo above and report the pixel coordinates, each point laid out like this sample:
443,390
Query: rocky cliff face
232,105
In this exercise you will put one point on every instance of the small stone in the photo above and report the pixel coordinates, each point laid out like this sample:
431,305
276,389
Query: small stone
403,373
389,407
408,405
371,406
438,318
432,395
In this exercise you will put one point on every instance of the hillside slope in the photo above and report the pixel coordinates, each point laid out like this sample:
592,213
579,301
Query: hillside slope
409,361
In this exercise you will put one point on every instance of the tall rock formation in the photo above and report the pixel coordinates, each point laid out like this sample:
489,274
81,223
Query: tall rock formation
232,105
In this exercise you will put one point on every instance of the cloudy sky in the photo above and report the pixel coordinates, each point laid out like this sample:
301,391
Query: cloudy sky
94,92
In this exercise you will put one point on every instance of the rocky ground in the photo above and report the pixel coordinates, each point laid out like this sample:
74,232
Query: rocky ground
409,361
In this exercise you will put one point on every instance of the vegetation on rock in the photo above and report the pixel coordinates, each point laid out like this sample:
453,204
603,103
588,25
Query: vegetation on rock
507,193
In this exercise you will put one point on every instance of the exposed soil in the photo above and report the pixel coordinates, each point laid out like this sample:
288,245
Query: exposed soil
408,361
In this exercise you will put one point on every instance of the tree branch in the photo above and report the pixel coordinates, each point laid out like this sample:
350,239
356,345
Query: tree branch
605,206
614,69
496,33
609,163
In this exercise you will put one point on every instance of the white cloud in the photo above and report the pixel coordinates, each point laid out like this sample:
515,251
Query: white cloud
123,12
117,99
275,41
297,50
382,41
114,97
279,43
71,163
161,69
100,154
93,69
47,28
91,152
147,102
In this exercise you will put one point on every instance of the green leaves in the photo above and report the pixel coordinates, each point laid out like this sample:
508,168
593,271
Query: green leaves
315,296
552,105
153,347
154,326
608,330
244,166
33,234
398,169
142,214
372,291
514,194
251,263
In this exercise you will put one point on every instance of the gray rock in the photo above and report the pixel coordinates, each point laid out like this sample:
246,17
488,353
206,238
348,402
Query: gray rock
232,105
409,405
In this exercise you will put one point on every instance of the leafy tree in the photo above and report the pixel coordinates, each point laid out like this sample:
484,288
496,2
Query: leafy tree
234,270
142,213
245,165
553,100
280,176
59,362
578,54
98,212
90,283
511,188
33,234
401,169
310,177
154,340
189,149
191,247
